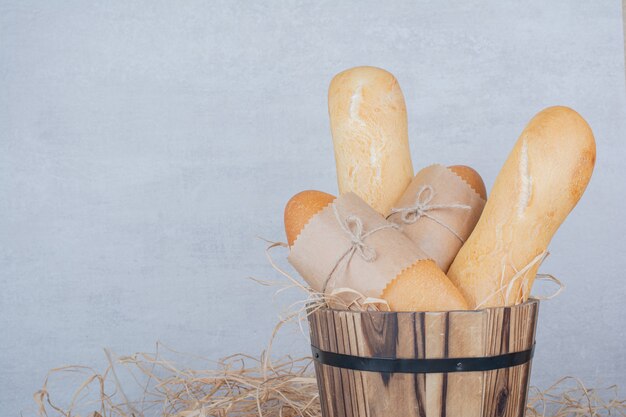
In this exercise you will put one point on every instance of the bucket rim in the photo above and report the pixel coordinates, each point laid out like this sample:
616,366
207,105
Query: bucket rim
528,302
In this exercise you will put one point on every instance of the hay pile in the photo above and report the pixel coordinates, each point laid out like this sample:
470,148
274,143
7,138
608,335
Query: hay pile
240,385
246,386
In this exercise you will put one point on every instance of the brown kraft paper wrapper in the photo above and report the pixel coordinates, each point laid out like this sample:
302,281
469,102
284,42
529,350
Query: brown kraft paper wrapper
448,211
330,257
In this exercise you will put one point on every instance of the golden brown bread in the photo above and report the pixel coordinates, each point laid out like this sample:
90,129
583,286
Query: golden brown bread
300,208
421,287
540,183
471,177
439,210
368,121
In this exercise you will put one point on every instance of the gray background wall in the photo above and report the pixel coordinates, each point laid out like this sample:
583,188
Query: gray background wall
144,145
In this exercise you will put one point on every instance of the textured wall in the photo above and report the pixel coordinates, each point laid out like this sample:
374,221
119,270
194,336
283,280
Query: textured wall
144,145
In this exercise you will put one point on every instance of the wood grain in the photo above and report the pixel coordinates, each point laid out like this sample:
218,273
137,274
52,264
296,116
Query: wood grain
489,332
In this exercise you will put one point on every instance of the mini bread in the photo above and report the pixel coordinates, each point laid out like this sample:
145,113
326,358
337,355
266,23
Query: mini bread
540,183
471,177
420,287
300,208
423,287
439,210
368,122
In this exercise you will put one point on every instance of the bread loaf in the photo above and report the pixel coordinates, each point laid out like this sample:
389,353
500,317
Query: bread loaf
421,286
300,208
369,127
439,210
472,178
541,181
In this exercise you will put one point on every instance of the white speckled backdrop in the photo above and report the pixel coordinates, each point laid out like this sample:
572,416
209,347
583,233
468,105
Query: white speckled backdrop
144,144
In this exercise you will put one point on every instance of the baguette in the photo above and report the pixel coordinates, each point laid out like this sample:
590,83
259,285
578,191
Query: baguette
368,121
540,183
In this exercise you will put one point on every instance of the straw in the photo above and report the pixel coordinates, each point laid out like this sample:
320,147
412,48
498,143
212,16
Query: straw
245,386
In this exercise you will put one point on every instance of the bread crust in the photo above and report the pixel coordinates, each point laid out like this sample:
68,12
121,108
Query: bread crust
540,183
471,177
300,208
368,122
423,287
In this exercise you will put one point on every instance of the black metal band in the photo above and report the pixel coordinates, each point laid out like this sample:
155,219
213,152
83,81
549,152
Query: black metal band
422,366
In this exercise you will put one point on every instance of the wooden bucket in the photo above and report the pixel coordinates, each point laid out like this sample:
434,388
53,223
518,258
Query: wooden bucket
457,363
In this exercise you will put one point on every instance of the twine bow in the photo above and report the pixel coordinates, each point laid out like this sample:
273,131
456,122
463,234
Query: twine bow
422,206
353,227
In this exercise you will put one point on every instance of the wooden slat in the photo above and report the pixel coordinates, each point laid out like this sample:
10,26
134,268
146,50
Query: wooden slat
347,376
435,347
522,338
466,339
356,380
340,396
320,370
496,383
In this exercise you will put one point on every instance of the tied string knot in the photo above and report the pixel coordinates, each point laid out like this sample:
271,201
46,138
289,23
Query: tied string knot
422,207
352,225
